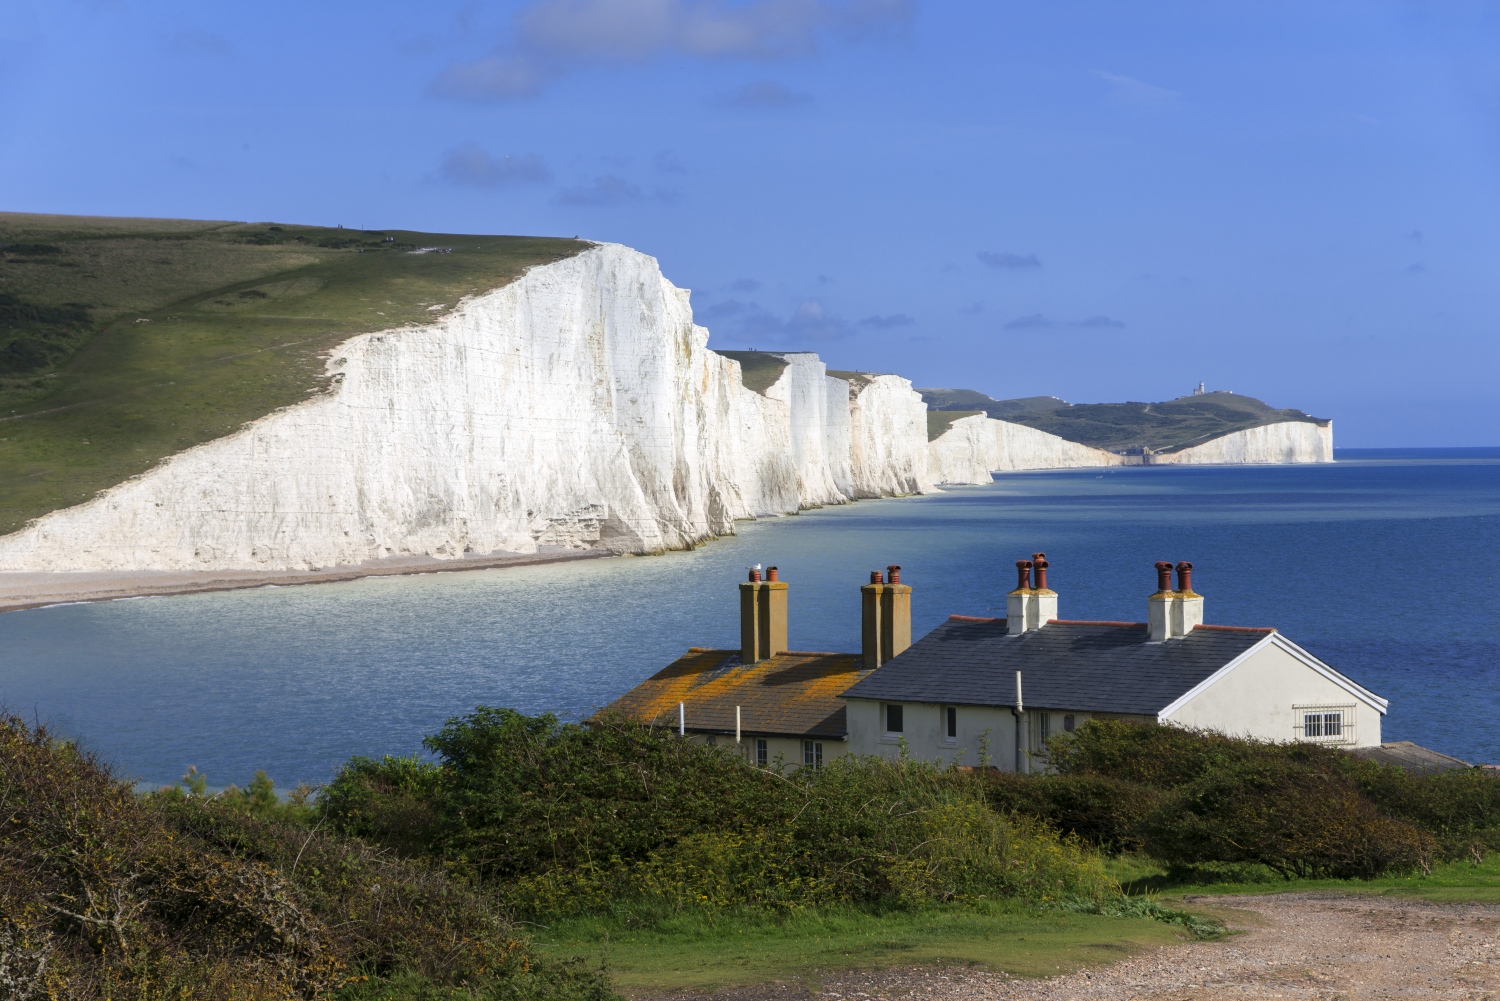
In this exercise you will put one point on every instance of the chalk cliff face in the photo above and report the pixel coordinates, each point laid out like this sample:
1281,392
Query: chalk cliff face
1284,442
973,447
578,406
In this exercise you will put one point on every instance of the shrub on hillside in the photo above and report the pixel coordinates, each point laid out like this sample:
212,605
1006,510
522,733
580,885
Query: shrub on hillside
1103,811
107,893
566,819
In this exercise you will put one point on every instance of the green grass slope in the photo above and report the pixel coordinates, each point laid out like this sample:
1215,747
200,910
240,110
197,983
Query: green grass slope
1160,427
759,370
123,341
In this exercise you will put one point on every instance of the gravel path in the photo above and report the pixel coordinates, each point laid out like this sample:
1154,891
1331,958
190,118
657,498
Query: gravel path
1311,947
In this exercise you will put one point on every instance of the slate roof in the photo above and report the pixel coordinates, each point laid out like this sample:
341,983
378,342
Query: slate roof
792,694
1414,758
1088,666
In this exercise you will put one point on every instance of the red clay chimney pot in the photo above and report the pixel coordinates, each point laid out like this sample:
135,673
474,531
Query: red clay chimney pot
893,574
1163,575
755,576
1185,577
1023,575
771,573
1039,567
874,576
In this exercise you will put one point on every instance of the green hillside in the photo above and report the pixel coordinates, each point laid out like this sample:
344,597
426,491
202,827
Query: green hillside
123,341
1120,427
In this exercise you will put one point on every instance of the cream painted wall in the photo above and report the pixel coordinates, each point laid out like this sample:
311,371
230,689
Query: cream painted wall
1257,699
789,748
924,733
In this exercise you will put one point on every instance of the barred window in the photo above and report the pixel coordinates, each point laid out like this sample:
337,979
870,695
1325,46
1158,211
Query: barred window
812,753
1325,724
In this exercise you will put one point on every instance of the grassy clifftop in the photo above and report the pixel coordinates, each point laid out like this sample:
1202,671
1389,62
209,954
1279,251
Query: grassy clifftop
1160,427
123,341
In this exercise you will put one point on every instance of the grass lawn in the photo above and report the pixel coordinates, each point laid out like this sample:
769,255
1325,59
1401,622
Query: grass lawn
123,341
1450,882
691,952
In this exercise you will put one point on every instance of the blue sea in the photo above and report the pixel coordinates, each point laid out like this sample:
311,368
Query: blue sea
1383,564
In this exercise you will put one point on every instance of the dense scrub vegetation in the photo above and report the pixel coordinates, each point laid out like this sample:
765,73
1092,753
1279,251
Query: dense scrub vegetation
413,877
1302,810
105,893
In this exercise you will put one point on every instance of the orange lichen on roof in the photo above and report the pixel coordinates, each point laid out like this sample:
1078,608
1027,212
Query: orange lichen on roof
792,694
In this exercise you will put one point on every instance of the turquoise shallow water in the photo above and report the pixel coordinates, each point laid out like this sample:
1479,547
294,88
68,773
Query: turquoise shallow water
1384,564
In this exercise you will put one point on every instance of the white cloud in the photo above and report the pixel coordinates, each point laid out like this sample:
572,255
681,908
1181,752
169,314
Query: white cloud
549,38
471,165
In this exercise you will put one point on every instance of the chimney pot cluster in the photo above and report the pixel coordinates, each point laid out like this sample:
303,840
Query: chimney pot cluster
1172,614
885,616
1032,603
763,612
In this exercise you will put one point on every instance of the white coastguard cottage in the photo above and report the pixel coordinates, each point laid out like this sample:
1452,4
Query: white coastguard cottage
977,688
991,691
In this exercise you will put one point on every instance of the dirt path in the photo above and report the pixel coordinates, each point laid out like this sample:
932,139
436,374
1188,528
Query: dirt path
1310,947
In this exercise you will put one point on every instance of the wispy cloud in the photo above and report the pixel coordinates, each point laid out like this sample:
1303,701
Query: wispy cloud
744,285
1038,321
1004,260
751,323
606,189
471,165
1129,90
1098,323
192,41
764,94
547,39
668,162
889,322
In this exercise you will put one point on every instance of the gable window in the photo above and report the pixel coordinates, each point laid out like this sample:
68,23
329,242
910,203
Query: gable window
1324,724
812,753
950,723
894,721
762,752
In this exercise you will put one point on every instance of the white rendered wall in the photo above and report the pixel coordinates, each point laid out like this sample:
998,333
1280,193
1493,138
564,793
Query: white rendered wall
925,735
1256,699
1283,442
974,447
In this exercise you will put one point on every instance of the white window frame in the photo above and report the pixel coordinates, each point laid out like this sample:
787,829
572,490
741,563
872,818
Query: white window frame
892,736
762,753
812,754
1300,726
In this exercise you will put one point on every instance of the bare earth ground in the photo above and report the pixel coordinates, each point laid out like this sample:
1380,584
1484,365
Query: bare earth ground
1300,946
33,590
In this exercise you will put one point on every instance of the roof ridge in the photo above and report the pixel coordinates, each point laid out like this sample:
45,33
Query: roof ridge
971,618
1237,629
1094,622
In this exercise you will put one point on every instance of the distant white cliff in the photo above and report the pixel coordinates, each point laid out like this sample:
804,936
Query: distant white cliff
578,406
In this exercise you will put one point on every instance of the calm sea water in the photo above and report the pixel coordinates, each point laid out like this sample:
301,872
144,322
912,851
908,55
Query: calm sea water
1383,564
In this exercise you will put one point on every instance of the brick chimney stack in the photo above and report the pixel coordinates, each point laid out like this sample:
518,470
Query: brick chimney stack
763,613
885,617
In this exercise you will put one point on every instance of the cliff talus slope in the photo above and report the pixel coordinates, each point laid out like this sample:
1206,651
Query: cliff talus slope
578,406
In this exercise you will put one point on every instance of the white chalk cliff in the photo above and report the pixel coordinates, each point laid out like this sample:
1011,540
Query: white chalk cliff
578,407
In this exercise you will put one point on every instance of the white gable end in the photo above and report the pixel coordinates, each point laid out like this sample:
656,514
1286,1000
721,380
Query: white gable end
1278,691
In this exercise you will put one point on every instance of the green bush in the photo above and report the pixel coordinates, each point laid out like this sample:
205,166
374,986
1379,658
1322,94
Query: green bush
611,815
1103,811
105,893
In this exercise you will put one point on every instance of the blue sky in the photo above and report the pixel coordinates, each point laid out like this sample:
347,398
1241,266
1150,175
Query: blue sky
1100,201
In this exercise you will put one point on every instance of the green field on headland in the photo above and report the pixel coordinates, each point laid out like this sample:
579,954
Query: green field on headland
123,341
528,859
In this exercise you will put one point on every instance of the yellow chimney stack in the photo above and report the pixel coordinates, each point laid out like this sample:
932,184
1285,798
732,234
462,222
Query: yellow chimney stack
762,616
885,617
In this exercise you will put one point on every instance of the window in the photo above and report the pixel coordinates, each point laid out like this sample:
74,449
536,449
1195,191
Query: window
762,753
893,720
812,753
1043,727
950,719
1325,724
1068,723
712,740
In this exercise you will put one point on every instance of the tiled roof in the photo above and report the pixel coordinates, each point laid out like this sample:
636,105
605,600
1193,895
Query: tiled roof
792,694
1087,666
